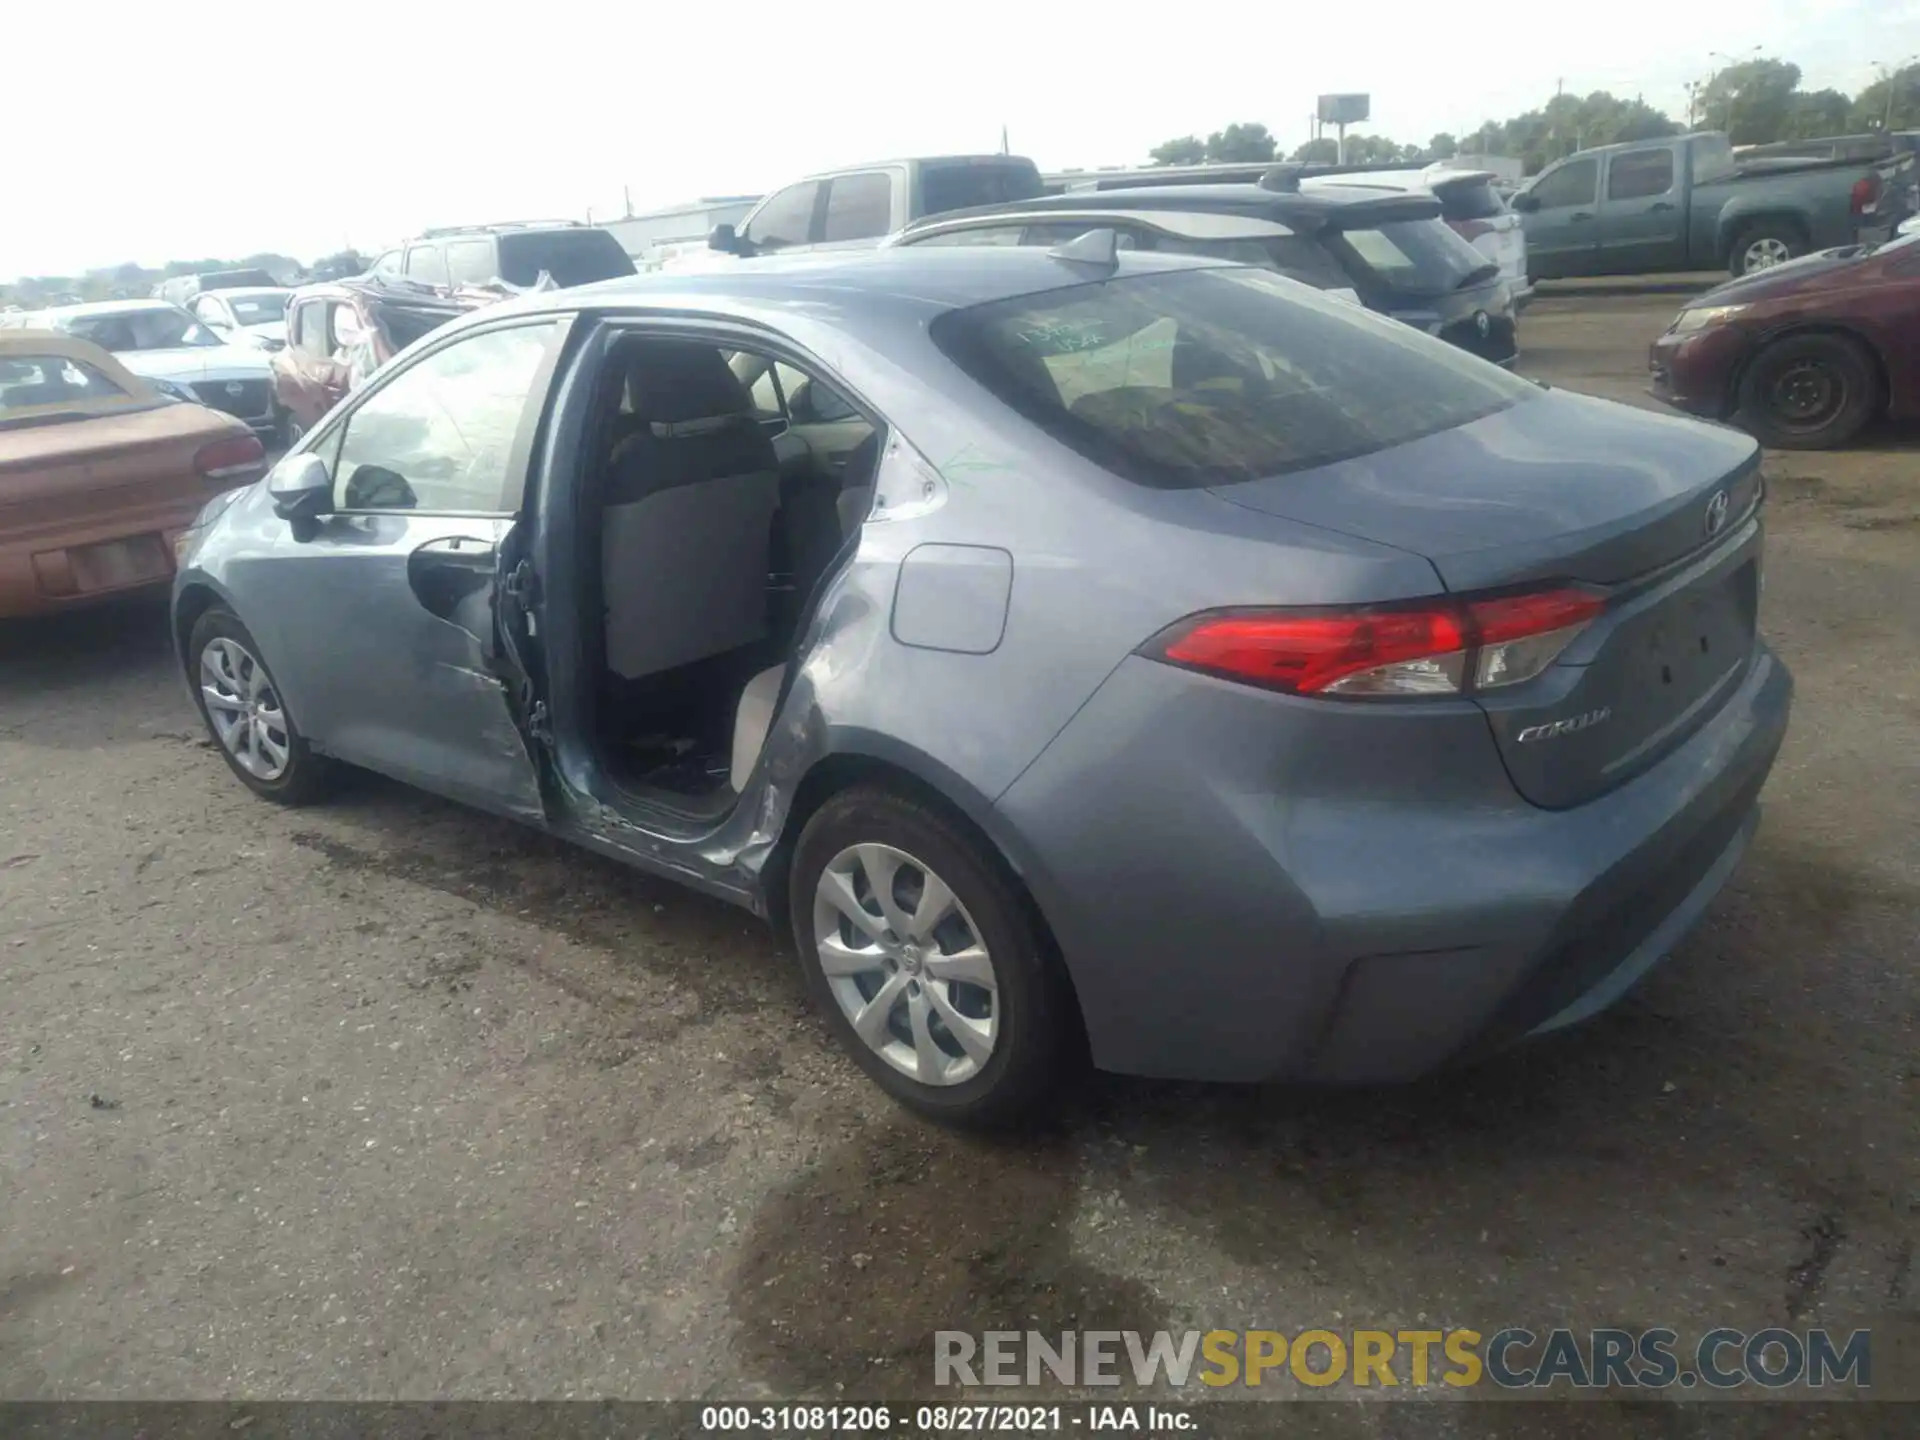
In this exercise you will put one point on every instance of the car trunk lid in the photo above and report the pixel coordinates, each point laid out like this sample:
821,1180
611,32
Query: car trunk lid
88,468
1657,515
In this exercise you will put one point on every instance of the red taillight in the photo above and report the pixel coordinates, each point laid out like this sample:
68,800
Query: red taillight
1434,647
1866,193
230,458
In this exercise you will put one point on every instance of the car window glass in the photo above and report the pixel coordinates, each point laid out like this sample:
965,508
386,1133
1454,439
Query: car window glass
163,327
32,380
1060,232
428,264
1574,183
978,235
571,257
1640,173
470,262
207,308
1295,256
786,218
315,333
859,207
387,264
811,402
1216,376
439,435
258,309
963,184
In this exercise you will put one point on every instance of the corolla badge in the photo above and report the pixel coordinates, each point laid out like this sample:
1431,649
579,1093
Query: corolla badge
1554,729
1716,517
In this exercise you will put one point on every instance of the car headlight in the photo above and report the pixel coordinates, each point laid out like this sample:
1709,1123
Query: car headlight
1702,316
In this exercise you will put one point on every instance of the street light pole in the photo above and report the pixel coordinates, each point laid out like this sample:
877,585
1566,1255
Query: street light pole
1887,76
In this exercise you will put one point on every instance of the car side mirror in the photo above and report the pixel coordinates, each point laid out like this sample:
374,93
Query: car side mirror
725,240
301,487
1526,202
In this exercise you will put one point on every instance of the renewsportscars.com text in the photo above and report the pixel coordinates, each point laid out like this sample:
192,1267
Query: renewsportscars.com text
1511,1359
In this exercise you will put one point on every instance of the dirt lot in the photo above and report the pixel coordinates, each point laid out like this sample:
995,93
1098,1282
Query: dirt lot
386,1099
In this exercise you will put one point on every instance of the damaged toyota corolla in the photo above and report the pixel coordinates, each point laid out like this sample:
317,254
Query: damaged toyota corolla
1084,653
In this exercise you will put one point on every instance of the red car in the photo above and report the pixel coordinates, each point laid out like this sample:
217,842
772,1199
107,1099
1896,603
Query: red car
339,333
1802,355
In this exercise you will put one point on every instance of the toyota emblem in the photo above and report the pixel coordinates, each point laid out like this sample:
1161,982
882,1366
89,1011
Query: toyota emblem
1716,516
1482,323
235,389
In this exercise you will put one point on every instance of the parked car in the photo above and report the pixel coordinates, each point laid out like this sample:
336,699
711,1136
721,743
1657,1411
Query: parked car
1803,355
170,348
1184,661
339,334
99,472
1469,202
517,254
1684,204
1390,248
179,289
254,316
859,206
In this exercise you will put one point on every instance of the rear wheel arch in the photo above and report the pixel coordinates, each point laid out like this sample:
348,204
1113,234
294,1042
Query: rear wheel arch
1739,230
836,773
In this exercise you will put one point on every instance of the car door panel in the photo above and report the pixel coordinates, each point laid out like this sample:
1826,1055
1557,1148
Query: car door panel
1562,234
1641,220
383,611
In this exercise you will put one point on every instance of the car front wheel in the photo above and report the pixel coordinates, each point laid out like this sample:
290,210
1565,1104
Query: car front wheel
1809,392
246,716
927,962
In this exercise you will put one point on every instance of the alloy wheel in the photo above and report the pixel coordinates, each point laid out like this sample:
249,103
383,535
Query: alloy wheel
1765,253
244,709
906,964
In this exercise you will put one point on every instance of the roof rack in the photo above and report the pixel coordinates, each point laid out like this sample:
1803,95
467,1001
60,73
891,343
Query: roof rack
439,230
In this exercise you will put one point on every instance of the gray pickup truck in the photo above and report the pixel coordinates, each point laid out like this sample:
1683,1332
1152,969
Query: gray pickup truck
1687,204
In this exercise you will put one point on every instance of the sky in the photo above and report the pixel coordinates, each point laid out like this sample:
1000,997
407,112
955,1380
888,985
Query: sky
302,129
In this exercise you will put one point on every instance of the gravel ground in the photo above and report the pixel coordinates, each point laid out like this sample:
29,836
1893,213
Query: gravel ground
387,1099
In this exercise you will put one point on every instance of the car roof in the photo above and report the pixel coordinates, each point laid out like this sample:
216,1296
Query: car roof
17,343
241,290
1308,208
109,307
926,280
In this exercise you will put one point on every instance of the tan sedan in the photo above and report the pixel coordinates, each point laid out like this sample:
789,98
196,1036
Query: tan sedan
99,471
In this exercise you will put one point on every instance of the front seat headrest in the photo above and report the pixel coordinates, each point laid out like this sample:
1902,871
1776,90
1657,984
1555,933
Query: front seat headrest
671,382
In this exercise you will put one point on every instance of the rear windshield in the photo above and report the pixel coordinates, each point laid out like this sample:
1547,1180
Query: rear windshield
29,381
1298,257
572,257
962,184
1217,376
1469,200
1411,257
259,309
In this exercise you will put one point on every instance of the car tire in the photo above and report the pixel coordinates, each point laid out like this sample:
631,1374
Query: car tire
1809,392
1027,1009
254,734
1764,245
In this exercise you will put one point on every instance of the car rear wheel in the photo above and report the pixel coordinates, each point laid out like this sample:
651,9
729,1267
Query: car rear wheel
922,953
246,716
1809,392
1761,247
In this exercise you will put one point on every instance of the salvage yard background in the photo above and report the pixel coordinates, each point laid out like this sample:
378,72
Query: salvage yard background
390,1099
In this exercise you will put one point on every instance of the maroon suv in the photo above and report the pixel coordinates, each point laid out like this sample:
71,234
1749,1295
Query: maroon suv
1802,355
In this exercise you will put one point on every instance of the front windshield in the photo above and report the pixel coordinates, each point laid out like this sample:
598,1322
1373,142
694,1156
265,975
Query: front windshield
261,309
123,331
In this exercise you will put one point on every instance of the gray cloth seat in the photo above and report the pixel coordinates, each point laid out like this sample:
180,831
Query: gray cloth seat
690,500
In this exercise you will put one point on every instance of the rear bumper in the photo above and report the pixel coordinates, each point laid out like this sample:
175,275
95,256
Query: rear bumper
45,574
1277,908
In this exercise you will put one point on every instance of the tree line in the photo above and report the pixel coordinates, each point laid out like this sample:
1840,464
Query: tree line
1756,101
127,281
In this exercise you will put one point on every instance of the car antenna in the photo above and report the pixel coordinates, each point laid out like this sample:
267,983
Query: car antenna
1096,247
